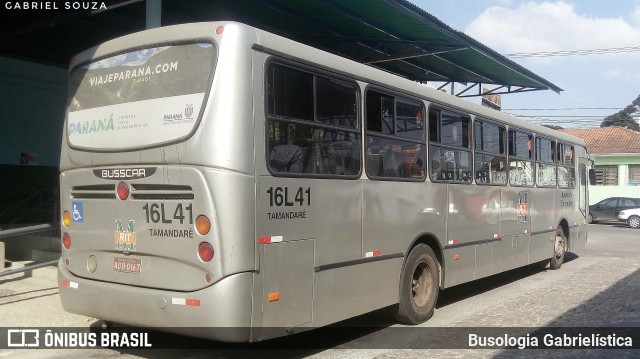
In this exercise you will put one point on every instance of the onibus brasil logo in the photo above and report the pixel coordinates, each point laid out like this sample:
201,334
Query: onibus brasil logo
125,240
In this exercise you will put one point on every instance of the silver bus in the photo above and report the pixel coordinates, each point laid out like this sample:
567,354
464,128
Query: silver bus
224,182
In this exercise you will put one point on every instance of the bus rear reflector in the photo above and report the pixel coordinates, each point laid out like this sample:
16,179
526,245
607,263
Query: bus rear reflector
123,191
205,251
66,240
219,30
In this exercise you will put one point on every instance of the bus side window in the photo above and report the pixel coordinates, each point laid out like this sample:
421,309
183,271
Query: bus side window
521,149
490,156
449,145
312,124
395,137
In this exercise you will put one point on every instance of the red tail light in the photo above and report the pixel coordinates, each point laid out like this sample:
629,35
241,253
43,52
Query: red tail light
66,240
205,252
123,191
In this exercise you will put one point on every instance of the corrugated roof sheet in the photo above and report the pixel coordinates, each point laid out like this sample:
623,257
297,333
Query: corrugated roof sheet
393,35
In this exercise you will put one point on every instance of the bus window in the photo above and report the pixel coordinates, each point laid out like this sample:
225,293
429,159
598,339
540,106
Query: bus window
290,93
449,148
566,166
312,126
520,158
545,162
490,156
395,137
142,98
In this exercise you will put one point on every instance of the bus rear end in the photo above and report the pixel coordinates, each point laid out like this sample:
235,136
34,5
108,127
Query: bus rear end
141,224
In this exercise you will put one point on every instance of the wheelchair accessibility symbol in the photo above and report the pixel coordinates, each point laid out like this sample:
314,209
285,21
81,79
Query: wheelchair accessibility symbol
77,213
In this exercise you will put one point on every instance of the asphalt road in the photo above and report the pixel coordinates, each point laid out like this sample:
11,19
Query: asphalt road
597,287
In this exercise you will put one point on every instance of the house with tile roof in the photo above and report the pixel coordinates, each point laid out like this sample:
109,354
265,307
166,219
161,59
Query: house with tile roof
616,155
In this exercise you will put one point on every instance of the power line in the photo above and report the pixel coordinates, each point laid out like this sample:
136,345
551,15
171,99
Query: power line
611,50
560,116
562,109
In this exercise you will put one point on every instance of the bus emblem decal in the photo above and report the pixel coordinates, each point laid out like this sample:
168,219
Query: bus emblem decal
188,111
522,207
124,173
125,240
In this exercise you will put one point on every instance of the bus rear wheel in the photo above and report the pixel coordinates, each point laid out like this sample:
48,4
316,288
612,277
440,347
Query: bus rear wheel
559,249
418,286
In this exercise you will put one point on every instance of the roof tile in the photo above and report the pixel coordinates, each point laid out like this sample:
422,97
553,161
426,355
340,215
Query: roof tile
607,140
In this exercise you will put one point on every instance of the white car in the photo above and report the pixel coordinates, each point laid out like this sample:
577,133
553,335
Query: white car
631,217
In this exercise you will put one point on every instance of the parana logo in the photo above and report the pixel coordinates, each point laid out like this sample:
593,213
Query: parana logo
124,173
99,125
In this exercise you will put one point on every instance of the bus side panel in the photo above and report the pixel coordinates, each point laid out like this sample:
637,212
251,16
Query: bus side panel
287,288
395,213
234,204
354,290
544,222
472,217
515,228
330,211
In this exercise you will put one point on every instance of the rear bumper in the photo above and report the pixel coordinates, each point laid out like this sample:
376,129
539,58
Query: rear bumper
220,312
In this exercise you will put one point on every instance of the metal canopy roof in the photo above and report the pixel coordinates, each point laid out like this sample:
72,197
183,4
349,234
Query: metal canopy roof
393,35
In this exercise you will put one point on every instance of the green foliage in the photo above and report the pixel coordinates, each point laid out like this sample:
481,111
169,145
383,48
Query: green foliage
623,118
554,127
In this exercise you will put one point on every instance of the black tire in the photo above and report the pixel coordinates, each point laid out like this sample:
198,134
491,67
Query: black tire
634,222
419,286
590,219
559,250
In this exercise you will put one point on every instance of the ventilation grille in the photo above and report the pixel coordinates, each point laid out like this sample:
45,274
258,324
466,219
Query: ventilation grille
161,191
97,191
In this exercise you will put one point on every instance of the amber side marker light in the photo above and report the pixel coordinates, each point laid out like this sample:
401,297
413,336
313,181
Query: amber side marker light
66,219
203,225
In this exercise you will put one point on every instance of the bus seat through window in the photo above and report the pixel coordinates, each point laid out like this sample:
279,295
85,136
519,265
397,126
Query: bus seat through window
287,158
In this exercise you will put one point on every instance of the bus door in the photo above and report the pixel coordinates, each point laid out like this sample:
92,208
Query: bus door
583,200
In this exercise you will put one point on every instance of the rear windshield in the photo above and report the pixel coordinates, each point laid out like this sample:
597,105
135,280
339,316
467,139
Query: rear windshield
140,98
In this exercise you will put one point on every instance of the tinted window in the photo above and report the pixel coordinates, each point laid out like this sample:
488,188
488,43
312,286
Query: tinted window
545,150
489,137
380,113
312,124
449,156
520,144
490,158
395,137
409,121
337,104
290,93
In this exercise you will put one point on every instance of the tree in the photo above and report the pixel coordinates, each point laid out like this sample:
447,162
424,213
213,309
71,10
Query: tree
623,117
554,127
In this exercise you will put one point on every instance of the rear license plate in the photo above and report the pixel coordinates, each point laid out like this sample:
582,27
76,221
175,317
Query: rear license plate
126,265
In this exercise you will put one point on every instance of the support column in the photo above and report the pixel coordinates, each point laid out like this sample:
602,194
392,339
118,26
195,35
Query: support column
154,13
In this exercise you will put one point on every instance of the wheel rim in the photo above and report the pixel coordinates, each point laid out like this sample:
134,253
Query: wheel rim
421,284
590,218
559,246
634,222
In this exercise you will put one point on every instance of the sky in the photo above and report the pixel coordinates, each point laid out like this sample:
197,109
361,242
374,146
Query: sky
594,85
